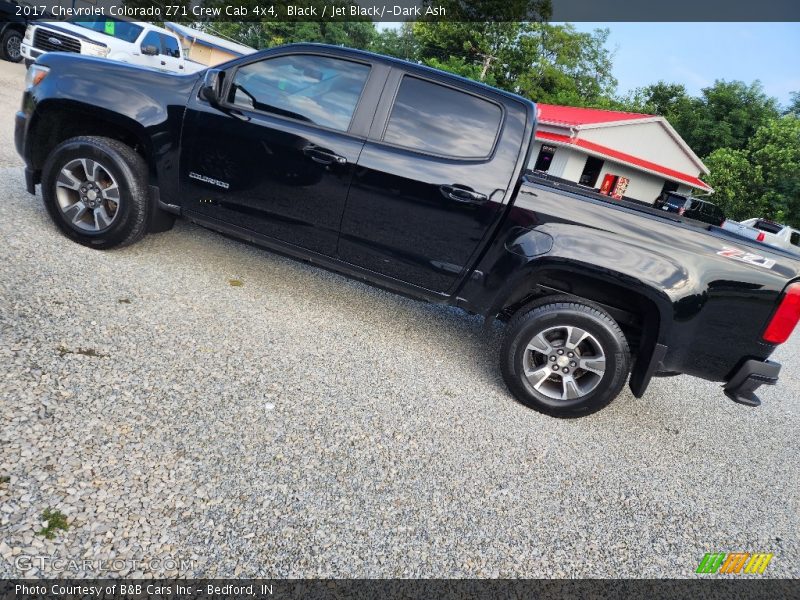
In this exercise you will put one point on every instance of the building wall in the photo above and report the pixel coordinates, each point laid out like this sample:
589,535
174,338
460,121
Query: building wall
203,54
568,163
649,141
642,186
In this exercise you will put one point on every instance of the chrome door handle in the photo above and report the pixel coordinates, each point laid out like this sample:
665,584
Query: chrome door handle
323,156
462,194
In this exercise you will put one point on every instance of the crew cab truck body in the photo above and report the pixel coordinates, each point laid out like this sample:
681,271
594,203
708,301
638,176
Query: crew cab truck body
411,179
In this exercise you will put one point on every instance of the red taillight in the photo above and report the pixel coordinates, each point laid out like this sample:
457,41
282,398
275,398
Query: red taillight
681,211
760,237
785,318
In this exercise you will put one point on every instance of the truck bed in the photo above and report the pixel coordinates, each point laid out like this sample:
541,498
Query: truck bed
650,211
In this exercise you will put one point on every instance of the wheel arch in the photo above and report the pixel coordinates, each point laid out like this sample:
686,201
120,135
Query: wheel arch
61,122
642,311
57,121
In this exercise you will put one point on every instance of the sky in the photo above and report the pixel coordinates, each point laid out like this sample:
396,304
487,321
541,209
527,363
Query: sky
695,54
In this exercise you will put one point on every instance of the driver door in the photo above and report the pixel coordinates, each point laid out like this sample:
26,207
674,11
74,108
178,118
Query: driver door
277,157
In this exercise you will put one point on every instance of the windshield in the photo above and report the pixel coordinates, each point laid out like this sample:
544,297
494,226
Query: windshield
122,30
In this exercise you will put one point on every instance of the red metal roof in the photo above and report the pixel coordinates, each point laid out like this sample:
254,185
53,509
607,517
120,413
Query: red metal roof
573,115
624,158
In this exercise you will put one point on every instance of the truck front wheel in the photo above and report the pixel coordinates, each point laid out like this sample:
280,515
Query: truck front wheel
10,46
565,359
95,190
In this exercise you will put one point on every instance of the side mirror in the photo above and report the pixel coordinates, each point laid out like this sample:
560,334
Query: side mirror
211,89
149,50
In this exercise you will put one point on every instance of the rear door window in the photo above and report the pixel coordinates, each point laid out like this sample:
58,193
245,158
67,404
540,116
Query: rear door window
169,46
436,119
152,39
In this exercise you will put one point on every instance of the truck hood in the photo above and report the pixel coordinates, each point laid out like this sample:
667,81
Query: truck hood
139,95
103,71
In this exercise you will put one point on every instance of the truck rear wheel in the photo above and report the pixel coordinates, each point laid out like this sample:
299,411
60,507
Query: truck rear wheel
565,359
95,190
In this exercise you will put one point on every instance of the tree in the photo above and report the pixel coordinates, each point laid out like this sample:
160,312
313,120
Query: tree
775,149
399,43
728,115
725,115
547,63
764,178
738,184
662,98
266,34
560,65
794,105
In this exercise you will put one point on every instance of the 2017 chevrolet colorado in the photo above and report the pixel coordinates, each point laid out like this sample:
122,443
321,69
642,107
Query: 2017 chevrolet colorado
412,179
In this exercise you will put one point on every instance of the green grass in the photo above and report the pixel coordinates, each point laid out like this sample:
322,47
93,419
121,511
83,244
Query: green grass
55,520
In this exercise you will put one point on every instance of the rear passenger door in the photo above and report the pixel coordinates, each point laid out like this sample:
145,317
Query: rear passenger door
431,179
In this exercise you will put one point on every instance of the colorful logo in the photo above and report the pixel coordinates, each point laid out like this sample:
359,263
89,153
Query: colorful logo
734,562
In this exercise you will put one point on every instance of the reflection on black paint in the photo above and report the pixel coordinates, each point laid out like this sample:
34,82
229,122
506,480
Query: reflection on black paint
436,119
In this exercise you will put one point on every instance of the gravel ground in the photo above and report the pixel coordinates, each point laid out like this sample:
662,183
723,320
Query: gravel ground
306,425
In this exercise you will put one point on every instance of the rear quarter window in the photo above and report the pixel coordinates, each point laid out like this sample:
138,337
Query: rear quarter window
436,119
768,226
678,202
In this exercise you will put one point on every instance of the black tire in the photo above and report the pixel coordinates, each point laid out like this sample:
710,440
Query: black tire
10,46
127,169
584,391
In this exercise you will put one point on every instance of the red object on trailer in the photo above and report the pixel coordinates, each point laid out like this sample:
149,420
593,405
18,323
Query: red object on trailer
620,186
608,184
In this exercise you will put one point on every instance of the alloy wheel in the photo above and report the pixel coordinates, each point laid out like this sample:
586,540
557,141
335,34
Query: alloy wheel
88,195
13,48
564,362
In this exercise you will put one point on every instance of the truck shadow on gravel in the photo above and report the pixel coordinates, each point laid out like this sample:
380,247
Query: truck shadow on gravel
446,330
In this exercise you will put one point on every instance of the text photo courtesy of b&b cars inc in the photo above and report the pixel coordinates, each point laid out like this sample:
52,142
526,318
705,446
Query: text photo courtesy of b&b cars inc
328,292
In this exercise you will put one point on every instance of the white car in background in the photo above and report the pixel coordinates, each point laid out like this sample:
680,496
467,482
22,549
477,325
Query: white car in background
108,37
767,232
775,234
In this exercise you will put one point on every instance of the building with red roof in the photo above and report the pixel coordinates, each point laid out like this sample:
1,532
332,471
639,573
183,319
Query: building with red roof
598,148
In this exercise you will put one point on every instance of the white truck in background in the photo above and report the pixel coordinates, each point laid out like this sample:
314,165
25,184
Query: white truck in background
127,41
776,234
767,232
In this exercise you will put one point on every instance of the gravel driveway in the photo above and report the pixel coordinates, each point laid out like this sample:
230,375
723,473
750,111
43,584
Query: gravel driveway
302,425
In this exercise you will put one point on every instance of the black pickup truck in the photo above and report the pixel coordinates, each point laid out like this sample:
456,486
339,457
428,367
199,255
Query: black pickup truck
411,179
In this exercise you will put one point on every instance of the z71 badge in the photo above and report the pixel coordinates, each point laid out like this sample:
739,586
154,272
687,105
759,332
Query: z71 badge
747,257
